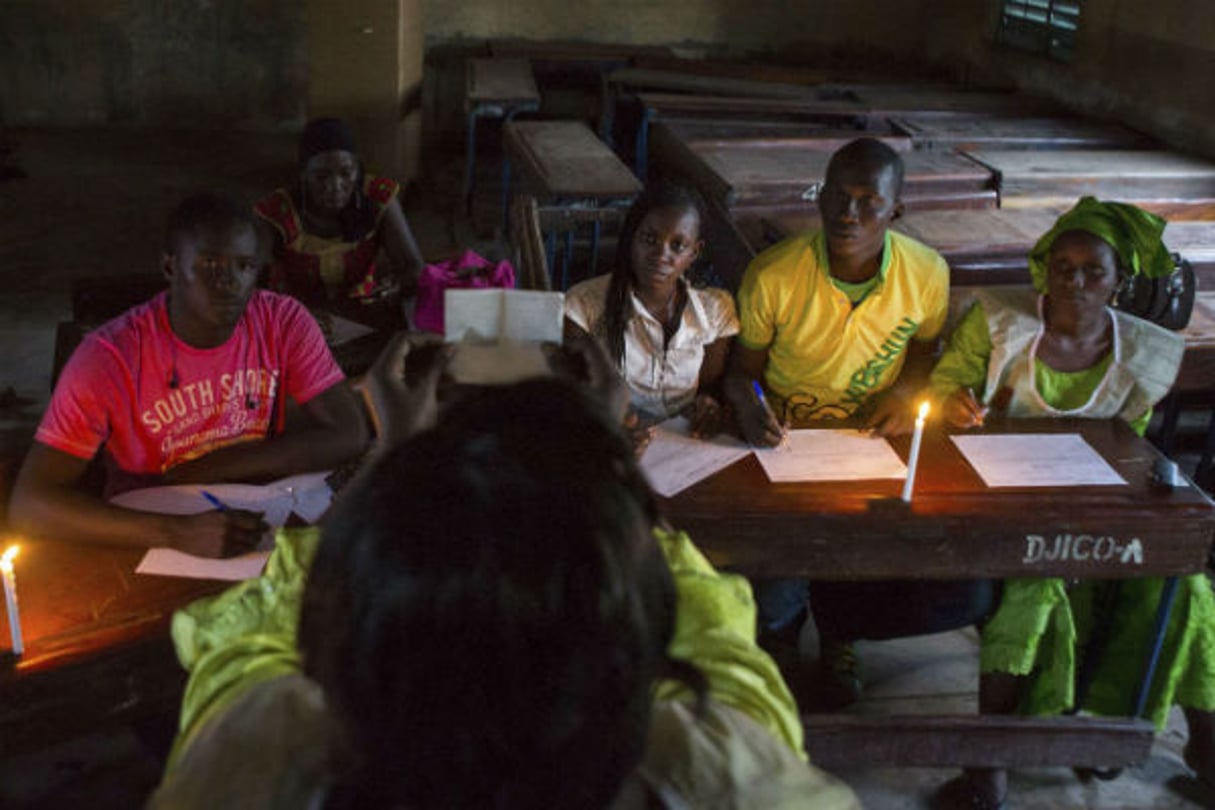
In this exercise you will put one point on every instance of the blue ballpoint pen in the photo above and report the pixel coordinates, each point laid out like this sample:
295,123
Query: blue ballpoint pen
216,502
763,401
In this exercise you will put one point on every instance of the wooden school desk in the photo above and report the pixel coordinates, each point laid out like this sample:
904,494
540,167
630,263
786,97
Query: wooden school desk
934,131
495,88
842,113
956,527
1171,184
563,164
772,176
97,649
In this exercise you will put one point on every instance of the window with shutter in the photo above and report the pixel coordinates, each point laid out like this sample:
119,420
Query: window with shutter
1042,26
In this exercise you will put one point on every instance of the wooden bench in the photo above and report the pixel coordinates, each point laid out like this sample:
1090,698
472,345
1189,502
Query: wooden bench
496,88
842,741
564,165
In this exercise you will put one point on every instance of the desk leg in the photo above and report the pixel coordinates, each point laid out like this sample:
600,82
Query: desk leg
595,228
1168,423
569,260
470,159
642,145
1208,453
1163,610
506,192
550,248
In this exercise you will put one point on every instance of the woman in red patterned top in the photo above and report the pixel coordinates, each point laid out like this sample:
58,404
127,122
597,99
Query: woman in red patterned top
340,233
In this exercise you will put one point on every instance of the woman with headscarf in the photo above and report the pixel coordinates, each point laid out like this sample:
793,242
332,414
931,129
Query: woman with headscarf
339,233
1061,350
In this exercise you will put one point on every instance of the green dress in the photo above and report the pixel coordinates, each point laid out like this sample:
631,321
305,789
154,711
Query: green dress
1042,625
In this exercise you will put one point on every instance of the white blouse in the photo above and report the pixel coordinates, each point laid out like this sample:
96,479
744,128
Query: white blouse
663,380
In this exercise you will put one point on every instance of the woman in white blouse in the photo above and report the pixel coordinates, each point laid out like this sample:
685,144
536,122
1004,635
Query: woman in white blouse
669,339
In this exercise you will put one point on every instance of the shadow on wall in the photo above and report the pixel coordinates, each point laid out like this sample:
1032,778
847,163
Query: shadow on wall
172,62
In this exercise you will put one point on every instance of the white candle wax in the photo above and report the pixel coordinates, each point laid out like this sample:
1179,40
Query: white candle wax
10,599
913,460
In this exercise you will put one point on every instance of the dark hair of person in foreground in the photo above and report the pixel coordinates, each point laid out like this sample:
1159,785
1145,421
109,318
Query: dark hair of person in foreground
487,614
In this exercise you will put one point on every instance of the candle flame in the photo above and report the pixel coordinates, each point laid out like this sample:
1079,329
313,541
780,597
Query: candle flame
6,560
924,410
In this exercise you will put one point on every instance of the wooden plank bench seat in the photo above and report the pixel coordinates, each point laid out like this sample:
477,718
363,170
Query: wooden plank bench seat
841,741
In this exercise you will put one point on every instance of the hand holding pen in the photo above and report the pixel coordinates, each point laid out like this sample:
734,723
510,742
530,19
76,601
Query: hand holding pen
774,433
964,410
224,532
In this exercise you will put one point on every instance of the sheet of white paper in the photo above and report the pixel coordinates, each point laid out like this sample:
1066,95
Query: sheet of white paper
168,562
831,455
472,315
533,315
674,461
487,315
308,496
1036,460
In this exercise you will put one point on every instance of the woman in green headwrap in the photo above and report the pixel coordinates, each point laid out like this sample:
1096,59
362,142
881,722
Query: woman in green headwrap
1060,350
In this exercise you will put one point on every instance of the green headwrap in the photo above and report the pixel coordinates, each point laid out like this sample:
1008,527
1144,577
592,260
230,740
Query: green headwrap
1134,234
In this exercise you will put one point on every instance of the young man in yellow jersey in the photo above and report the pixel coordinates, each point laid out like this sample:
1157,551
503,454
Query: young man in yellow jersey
841,325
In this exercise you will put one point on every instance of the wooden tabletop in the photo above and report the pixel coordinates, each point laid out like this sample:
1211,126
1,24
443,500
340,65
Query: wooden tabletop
633,78
745,172
97,642
955,526
946,100
842,110
1006,132
825,136
501,81
565,159
1173,184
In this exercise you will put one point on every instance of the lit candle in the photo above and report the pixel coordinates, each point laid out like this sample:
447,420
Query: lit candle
914,459
10,598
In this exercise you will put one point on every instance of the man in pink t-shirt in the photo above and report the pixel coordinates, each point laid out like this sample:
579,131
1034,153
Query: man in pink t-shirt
190,387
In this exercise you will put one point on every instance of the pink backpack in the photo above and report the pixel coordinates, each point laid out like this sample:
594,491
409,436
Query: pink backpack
469,271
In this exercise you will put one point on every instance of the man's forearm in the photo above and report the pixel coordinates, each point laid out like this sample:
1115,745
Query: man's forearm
65,514
309,450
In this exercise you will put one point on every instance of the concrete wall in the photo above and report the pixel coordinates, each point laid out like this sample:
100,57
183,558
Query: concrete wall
173,62
1145,64
246,62
787,27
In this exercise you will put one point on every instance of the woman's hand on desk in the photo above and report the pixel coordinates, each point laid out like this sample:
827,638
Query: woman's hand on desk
639,432
962,410
706,417
218,534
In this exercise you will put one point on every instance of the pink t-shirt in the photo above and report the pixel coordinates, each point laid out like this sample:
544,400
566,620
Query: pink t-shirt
156,402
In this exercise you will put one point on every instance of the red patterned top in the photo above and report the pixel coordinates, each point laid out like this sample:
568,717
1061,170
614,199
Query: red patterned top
315,268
